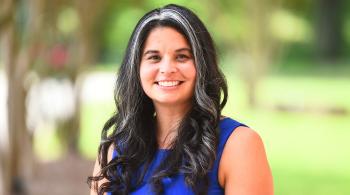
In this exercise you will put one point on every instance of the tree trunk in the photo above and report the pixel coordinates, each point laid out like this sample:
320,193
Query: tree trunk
18,57
329,28
258,45
18,134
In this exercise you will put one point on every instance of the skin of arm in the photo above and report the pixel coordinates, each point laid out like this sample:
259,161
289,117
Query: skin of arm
97,169
243,168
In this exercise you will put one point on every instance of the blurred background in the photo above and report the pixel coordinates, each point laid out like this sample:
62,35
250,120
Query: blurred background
287,63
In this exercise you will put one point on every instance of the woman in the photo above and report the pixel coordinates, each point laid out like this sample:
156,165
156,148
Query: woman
168,135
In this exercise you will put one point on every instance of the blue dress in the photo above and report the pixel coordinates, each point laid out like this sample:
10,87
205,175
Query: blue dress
176,185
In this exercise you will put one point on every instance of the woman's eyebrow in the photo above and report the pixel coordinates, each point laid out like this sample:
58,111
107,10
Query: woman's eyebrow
150,52
184,49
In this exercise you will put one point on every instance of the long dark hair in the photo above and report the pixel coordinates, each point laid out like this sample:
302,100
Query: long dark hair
133,135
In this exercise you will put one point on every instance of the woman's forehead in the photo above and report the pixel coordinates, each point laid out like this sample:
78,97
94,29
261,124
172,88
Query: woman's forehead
165,37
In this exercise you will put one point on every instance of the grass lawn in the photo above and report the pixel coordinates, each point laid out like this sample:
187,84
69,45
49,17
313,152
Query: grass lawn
308,151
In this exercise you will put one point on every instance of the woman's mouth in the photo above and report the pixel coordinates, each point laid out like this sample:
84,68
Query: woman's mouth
169,83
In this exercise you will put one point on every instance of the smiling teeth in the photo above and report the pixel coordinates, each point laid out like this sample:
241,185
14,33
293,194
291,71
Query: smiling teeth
168,83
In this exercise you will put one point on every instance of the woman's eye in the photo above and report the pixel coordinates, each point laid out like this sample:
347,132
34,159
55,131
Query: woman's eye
182,57
154,58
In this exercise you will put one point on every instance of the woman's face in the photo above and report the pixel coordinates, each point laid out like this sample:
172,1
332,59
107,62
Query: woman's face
167,68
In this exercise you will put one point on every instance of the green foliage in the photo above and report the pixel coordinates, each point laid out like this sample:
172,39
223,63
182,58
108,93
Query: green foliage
287,27
291,23
120,27
347,30
122,18
68,21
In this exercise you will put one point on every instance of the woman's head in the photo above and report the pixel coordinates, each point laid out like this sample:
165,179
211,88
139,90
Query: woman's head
209,80
167,70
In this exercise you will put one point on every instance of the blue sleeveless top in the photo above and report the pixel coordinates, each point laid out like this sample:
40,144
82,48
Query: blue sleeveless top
176,185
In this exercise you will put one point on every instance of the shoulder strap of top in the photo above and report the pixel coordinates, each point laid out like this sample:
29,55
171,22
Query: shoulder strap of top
227,126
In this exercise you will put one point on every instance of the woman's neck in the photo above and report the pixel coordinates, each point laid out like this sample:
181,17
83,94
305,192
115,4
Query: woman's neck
167,121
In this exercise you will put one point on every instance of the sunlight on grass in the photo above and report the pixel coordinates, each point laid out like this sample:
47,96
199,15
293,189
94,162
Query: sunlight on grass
305,91
291,181
46,144
94,115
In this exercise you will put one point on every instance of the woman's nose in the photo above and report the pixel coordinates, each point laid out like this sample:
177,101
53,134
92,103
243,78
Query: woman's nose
167,66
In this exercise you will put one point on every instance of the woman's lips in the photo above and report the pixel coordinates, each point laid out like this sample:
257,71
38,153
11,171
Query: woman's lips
168,84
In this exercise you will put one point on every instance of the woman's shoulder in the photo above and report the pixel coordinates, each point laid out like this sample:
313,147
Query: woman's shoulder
243,137
244,163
